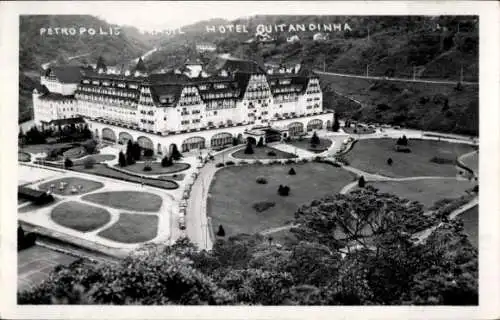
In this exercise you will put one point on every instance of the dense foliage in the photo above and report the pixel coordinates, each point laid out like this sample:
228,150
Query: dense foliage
348,250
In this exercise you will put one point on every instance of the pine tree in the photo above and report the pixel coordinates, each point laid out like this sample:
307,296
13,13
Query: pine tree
249,148
122,161
68,163
315,139
166,161
260,144
176,155
336,124
361,182
221,232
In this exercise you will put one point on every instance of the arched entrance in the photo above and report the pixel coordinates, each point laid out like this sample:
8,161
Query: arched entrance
329,125
96,134
252,140
193,143
159,148
171,148
108,135
124,138
221,139
145,143
240,138
315,124
295,128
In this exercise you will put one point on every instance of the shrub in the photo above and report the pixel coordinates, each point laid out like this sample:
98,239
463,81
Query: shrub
211,157
229,163
249,148
304,160
389,161
263,205
289,161
90,146
130,159
89,163
261,180
221,232
235,142
475,189
148,153
361,182
166,161
176,155
147,168
68,163
355,131
271,153
283,190
275,162
122,161
292,172
258,162
219,165
403,141
243,162
315,139
318,159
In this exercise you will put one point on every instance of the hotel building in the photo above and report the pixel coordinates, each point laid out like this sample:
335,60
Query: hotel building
158,110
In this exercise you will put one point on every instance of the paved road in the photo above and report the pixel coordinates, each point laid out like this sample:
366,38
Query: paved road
433,81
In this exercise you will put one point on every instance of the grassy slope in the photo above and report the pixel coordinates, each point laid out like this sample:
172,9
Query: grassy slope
132,228
128,200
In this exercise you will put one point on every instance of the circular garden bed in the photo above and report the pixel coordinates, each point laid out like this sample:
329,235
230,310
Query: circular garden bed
80,216
156,168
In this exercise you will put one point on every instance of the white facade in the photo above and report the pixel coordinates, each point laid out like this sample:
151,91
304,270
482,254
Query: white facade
55,86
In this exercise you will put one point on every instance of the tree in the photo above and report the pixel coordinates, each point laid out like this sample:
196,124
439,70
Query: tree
249,148
166,161
89,162
129,151
122,161
136,151
283,190
336,124
291,171
176,155
68,163
235,141
34,136
361,182
86,133
90,146
403,141
260,144
221,232
315,139
389,161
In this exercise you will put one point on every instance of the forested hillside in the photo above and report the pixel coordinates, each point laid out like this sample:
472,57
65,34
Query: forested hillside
36,49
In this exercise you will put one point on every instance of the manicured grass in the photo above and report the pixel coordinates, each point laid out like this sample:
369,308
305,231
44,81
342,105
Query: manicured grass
75,153
156,168
261,153
23,157
132,228
371,156
80,216
426,191
472,161
470,219
40,148
97,157
103,170
234,191
128,200
87,186
32,206
350,130
306,144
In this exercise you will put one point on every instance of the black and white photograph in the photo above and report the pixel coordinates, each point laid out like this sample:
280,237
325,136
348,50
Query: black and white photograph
249,157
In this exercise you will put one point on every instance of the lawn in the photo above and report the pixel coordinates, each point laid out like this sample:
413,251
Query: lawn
472,161
132,228
23,157
44,148
80,216
156,168
75,153
261,153
371,156
234,191
305,144
176,177
128,200
87,186
470,219
426,191
105,171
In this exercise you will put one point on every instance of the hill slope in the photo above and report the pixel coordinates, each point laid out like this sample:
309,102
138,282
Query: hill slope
36,49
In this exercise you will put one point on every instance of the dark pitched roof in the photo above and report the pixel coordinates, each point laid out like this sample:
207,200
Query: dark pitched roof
68,74
167,78
141,67
28,193
56,96
241,65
